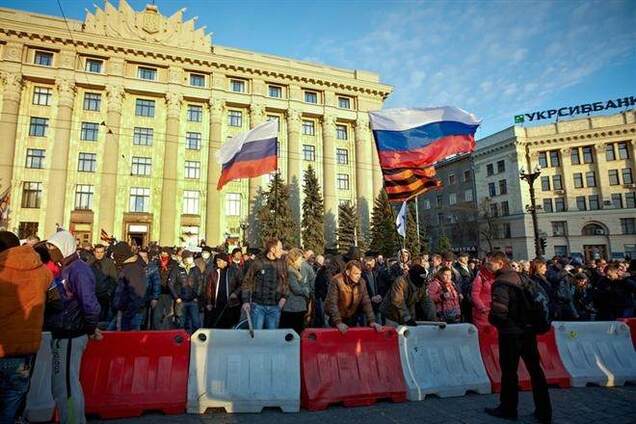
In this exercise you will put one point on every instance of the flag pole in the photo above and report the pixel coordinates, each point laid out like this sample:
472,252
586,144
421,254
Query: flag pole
417,219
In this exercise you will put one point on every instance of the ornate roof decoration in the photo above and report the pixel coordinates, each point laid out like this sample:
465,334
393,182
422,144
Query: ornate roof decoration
148,25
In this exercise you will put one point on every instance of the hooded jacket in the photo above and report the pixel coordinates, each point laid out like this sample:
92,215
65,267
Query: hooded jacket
23,284
482,296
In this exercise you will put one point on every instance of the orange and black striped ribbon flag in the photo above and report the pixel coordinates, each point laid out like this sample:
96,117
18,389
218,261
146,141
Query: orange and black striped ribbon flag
403,184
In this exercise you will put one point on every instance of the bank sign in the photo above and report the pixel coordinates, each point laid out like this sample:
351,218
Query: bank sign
566,111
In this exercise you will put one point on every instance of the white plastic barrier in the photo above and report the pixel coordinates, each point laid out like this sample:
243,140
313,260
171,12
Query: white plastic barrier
229,369
596,352
40,404
442,361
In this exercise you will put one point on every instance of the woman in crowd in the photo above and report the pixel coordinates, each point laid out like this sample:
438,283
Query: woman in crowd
300,291
442,292
481,295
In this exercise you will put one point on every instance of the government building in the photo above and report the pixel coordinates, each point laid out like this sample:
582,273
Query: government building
585,194
114,123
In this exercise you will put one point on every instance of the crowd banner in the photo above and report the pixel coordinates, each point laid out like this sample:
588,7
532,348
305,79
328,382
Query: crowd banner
232,370
631,323
130,372
598,352
40,403
489,346
443,361
357,368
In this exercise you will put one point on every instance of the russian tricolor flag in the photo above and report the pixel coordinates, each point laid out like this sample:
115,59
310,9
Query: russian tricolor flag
249,154
411,141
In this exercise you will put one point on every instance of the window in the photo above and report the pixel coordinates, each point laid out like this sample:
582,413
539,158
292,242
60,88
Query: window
197,80
84,196
237,86
139,199
309,152
543,159
440,218
26,229
559,228
574,156
43,58
545,183
547,205
580,203
617,200
440,200
341,132
506,232
143,136
623,151
613,177
342,156
275,91
146,73
452,199
93,65
42,96
555,159
610,154
494,210
559,204
89,131
505,208
590,178
38,127
557,183
344,103
492,190
627,176
190,202
192,169
593,202
628,225
503,187
193,140
588,154
489,170
467,175
630,200
427,204
451,179
145,108
233,204
87,162
35,159
92,102
141,166
343,181
31,195
311,97
578,180
501,166
468,196
235,118
309,128
560,250
630,250
195,113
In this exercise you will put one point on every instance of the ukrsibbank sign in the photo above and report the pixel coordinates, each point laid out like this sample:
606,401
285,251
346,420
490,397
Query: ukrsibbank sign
576,110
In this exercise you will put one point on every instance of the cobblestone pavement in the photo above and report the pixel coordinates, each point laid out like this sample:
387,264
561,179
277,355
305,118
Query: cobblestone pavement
576,406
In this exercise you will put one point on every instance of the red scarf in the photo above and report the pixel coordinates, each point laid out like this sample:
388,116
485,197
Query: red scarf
163,262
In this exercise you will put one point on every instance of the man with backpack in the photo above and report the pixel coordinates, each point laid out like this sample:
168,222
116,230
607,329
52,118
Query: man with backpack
519,315
106,277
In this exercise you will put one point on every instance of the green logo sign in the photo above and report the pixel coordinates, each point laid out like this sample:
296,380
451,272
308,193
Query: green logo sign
519,119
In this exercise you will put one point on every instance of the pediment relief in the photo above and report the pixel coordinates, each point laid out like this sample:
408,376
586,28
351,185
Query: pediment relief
148,25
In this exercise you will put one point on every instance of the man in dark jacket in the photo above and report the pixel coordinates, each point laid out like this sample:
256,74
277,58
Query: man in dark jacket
187,288
221,295
154,287
515,341
408,300
465,277
130,295
374,288
169,271
105,281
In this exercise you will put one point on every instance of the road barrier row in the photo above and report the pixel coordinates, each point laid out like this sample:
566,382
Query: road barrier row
129,373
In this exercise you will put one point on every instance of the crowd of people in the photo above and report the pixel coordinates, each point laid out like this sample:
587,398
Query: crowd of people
77,292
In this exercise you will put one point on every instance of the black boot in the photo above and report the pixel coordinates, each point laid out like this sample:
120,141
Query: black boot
500,413
542,419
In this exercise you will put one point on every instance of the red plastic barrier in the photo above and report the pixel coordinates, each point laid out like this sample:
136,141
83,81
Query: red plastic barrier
555,372
128,373
631,323
356,369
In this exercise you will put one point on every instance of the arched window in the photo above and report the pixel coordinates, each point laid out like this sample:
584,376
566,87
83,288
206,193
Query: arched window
594,230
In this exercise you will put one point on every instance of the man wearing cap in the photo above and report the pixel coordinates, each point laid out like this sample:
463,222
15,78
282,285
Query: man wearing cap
187,288
163,313
221,295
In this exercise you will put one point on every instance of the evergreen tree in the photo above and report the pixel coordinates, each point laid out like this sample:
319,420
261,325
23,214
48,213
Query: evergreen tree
347,225
275,216
412,242
443,244
361,239
313,222
384,236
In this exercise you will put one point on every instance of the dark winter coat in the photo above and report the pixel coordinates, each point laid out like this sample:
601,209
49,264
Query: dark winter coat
130,295
345,299
192,288
400,305
506,307
265,282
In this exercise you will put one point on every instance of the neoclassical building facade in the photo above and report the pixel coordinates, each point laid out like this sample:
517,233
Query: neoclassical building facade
114,123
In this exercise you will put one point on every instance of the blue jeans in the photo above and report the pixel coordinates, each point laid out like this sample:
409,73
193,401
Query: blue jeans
191,316
265,317
127,324
15,374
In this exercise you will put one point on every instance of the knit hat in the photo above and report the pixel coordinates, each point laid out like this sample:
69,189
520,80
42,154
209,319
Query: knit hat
121,252
222,256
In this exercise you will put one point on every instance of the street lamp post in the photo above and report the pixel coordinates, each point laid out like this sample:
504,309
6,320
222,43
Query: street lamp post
530,178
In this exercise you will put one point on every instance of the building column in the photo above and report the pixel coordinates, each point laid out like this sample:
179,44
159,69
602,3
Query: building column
108,190
378,180
257,116
213,202
602,177
364,173
294,168
11,94
633,156
329,178
59,158
566,179
168,221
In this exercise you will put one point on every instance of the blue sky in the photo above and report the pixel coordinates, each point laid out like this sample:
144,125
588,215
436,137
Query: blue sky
493,58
